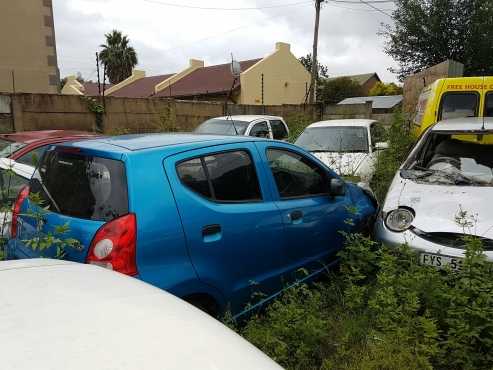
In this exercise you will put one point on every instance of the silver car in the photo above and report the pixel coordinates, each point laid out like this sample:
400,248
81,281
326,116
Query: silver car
271,127
443,191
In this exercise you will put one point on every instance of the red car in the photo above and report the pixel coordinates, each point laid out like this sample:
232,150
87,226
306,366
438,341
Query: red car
24,147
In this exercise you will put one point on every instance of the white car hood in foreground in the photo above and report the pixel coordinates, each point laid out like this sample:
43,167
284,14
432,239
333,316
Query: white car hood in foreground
58,315
348,164
437,206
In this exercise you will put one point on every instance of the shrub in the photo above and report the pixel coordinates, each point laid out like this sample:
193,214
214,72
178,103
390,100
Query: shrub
389,161
297,122
383,311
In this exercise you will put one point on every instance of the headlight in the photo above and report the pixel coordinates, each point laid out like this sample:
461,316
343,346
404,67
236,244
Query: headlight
399,220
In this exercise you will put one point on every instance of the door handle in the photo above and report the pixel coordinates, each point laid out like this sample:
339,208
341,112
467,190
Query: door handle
296,215
211,230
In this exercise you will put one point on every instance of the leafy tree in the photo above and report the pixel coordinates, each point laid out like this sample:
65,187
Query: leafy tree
334,90
383,89
307,63
118,56
427,32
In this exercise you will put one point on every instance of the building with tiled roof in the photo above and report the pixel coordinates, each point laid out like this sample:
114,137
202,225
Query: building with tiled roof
278,78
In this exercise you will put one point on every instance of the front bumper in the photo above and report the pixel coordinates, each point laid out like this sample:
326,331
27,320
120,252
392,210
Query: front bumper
394,239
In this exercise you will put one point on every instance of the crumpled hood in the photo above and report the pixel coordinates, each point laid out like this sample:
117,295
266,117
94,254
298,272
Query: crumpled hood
437,206
346,164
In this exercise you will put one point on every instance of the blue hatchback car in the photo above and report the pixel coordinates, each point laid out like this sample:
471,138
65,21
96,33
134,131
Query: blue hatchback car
211,219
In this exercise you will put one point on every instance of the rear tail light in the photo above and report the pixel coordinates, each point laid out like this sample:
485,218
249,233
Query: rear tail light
16,209
114,245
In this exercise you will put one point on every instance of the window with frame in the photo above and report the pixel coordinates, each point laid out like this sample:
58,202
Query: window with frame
488,104
296,175
279,131
458,105
260,130
377,133
222,177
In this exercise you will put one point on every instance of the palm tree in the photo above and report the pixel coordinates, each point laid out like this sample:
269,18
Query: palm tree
118,56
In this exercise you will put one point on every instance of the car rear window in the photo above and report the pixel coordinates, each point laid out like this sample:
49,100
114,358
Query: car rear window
82,186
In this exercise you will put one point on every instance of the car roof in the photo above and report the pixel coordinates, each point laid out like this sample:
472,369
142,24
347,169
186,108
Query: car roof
29,137
97,318
464,124
174,142
343,122
249,117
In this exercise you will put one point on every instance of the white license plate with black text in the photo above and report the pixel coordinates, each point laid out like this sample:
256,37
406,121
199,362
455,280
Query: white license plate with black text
440,261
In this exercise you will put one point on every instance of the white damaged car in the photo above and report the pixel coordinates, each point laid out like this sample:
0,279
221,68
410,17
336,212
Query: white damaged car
347,146
442,192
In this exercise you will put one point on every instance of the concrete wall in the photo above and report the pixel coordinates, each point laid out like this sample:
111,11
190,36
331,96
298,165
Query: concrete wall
28,61
285,80
415,83
123,115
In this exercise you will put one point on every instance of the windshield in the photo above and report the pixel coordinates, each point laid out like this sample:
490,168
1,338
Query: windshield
7,148
334,139
453,159
222,127
82,186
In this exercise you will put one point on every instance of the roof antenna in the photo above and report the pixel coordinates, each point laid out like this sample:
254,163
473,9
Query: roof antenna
235,72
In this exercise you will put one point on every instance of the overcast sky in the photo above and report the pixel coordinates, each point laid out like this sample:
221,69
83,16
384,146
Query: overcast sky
166,37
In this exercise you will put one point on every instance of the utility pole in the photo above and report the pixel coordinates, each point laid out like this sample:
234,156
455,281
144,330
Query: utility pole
313,83
99,78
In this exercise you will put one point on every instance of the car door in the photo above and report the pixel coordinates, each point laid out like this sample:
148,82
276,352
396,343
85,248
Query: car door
233,227
313,219
260,129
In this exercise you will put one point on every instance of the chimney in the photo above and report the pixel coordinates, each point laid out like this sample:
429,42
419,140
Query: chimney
283,46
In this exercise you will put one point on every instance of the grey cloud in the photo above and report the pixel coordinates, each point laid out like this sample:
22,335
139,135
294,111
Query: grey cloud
348,39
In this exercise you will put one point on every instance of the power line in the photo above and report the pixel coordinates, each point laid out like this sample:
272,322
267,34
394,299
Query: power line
374,7
185,6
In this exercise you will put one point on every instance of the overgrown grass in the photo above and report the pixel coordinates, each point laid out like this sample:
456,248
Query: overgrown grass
297,123
383,311
389,161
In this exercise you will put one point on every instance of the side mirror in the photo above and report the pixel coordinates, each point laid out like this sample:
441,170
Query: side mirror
337,187
381,146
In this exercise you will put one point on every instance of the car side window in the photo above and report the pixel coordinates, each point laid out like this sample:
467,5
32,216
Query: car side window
488,104
458,105
278,130
260,130
377,133
192,175
33,157
222,177
296,175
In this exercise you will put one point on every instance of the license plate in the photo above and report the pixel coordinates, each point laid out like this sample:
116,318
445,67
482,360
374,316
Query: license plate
440,261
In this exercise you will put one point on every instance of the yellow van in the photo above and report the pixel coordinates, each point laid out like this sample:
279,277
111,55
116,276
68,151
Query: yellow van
453,98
